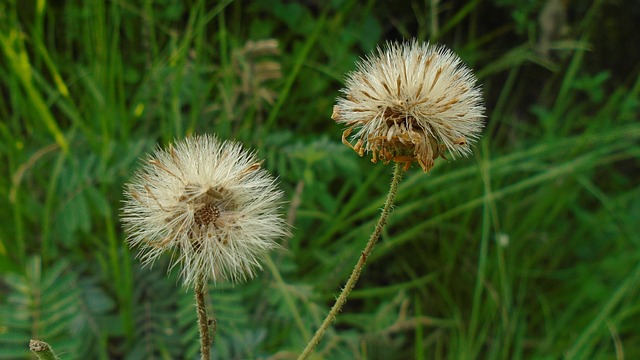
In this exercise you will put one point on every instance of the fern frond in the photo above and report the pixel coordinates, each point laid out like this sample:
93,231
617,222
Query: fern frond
43,304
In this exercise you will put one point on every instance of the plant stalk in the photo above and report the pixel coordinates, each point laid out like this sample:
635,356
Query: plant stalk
206,325
355,274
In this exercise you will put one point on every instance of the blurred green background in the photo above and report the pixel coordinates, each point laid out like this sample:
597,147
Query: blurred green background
527,250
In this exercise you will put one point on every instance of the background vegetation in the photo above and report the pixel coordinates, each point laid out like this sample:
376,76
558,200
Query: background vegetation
528,250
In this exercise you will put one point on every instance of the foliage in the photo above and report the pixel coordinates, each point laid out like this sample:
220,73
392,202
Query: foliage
530,249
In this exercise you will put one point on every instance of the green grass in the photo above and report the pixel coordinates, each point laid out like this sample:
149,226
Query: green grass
527,250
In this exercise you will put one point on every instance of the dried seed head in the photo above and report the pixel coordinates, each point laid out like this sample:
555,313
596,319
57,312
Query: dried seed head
210,203
408,102
206,215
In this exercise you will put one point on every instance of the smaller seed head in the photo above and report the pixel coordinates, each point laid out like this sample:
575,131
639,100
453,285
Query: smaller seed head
411,102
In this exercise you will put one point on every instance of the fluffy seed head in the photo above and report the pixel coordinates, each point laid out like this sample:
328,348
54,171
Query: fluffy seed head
207,202
411,102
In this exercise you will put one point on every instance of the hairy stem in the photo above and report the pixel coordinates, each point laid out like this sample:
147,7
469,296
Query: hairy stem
355,274
206,325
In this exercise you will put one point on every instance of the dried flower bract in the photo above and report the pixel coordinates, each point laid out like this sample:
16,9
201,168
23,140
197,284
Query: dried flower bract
411,102
210,204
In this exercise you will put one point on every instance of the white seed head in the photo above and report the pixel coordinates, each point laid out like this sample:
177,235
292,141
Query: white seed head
411,102
208,203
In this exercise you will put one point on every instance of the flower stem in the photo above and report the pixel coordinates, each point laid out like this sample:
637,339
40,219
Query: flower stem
355,274
206,325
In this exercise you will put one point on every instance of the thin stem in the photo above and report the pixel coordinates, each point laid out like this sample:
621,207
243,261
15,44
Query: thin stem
355,274
205,324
